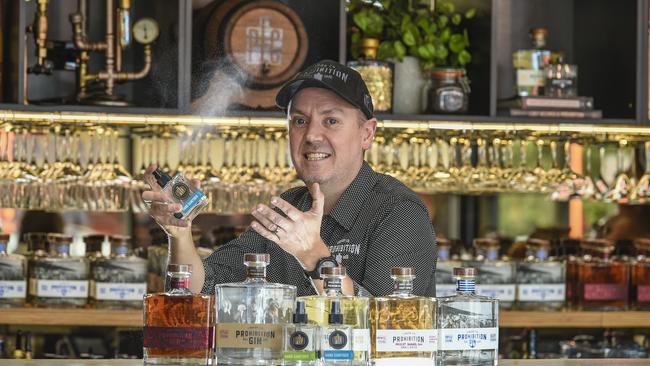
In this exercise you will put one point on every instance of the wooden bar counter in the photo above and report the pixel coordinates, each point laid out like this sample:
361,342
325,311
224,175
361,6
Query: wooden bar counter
561,362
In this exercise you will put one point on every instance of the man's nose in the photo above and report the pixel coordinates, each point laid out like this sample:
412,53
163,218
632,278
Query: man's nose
314,132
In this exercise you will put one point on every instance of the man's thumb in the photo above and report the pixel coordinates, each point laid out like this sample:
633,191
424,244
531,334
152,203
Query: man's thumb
318,200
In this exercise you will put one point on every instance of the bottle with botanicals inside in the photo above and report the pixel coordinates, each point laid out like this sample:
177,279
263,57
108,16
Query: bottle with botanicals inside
251,316
403,327
300,340
445,283
178,325
496,274
336,339
180,190
13,276
468,325
355,310
540,278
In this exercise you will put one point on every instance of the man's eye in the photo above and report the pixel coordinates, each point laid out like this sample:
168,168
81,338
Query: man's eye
331,121
299,121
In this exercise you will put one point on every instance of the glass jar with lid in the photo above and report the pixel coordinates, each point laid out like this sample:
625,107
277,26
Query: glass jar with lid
447,91
378,75
602,277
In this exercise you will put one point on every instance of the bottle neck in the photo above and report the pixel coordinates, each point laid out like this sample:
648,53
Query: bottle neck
3,248
179,283
332,286
466,286
403,287
256,273
443,253
540,254
490,254
63,250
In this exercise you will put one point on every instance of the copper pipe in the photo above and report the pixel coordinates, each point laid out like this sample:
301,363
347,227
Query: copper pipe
110,48
40,32
145,68
123,31
78,21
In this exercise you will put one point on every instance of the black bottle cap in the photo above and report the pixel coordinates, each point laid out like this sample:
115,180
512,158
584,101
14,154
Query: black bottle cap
335,313
162,178
300,316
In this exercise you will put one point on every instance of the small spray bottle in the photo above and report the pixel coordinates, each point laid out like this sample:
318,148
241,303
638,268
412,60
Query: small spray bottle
179,188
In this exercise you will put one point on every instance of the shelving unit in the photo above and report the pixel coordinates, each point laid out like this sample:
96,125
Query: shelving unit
507,319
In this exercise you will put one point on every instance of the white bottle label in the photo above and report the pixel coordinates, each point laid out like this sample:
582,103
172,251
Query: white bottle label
59,288
443,290
120,291
469,339
401,361
13,289
541,292
501,292
529,77
407,340
361,340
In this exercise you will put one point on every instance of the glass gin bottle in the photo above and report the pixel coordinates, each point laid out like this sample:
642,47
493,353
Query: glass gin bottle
251,316
496,275
118,282
336,338
403,325
602,278
468,325
301,339
13,276
641,275
530,65
355,311
541,279
178,325
58,280
445,283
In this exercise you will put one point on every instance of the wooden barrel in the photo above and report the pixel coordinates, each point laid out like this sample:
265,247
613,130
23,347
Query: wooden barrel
264,39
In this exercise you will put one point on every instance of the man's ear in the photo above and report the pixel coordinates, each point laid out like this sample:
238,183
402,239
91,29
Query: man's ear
368,133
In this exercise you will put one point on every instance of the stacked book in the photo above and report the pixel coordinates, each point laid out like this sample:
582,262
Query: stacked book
551,107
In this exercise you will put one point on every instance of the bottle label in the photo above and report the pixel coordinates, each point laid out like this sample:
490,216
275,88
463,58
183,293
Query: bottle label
445,289
336,346
58,288
501,292
401,361
605,291
192,202
361,340
541,292
13,289
643,293
237,335
118,291
469,339
294,356
530,77
332,355
407,340
178,337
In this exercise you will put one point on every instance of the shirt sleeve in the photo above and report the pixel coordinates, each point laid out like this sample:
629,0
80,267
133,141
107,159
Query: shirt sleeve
227,263
404,238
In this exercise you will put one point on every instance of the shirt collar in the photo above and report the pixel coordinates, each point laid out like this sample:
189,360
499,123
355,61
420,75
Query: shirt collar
349,205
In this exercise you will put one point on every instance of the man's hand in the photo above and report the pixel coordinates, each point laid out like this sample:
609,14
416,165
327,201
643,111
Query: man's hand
162,208
299,232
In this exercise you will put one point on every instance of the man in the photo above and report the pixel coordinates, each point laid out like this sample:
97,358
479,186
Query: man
346,215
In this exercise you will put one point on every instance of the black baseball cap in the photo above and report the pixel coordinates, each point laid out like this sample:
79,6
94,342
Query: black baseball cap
342,80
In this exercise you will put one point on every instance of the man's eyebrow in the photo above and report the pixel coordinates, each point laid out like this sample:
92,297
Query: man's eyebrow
297,110
331,110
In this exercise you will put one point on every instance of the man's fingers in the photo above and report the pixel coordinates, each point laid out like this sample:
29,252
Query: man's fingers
264,221
172,221
318,200
196,183
288,209
269,214
164,209
150,179
152,196
260,229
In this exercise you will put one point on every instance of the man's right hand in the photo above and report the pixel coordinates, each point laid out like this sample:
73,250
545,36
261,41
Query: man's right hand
162,207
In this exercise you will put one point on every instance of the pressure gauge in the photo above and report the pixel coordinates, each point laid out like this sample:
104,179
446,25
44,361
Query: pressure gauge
145,30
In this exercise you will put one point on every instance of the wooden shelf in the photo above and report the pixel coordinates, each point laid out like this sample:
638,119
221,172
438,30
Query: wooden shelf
508,319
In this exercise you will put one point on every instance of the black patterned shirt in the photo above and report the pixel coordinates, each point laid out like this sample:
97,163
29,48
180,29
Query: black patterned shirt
377,224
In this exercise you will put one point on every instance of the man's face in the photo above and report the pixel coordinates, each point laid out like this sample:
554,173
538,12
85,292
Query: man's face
326,137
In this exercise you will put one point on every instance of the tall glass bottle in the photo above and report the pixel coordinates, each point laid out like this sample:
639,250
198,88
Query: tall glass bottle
301,339
157,256
468,324
602,278
641,275
403,325
355,309
530,64
251,316
496,275
178,325
336,339
94,244
445,283
13,276
58,280
118,282
541,279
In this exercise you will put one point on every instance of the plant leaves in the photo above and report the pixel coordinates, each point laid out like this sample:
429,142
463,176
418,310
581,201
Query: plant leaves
470,13
442,52
456,43
442,21
400,50
409,38
455,19
360,20
464,57
445,34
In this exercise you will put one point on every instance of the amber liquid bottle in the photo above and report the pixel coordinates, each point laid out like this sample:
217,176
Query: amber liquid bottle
602,278
641,275
178,325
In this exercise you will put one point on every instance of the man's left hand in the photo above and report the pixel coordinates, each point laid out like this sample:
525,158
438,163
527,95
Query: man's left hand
299,232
